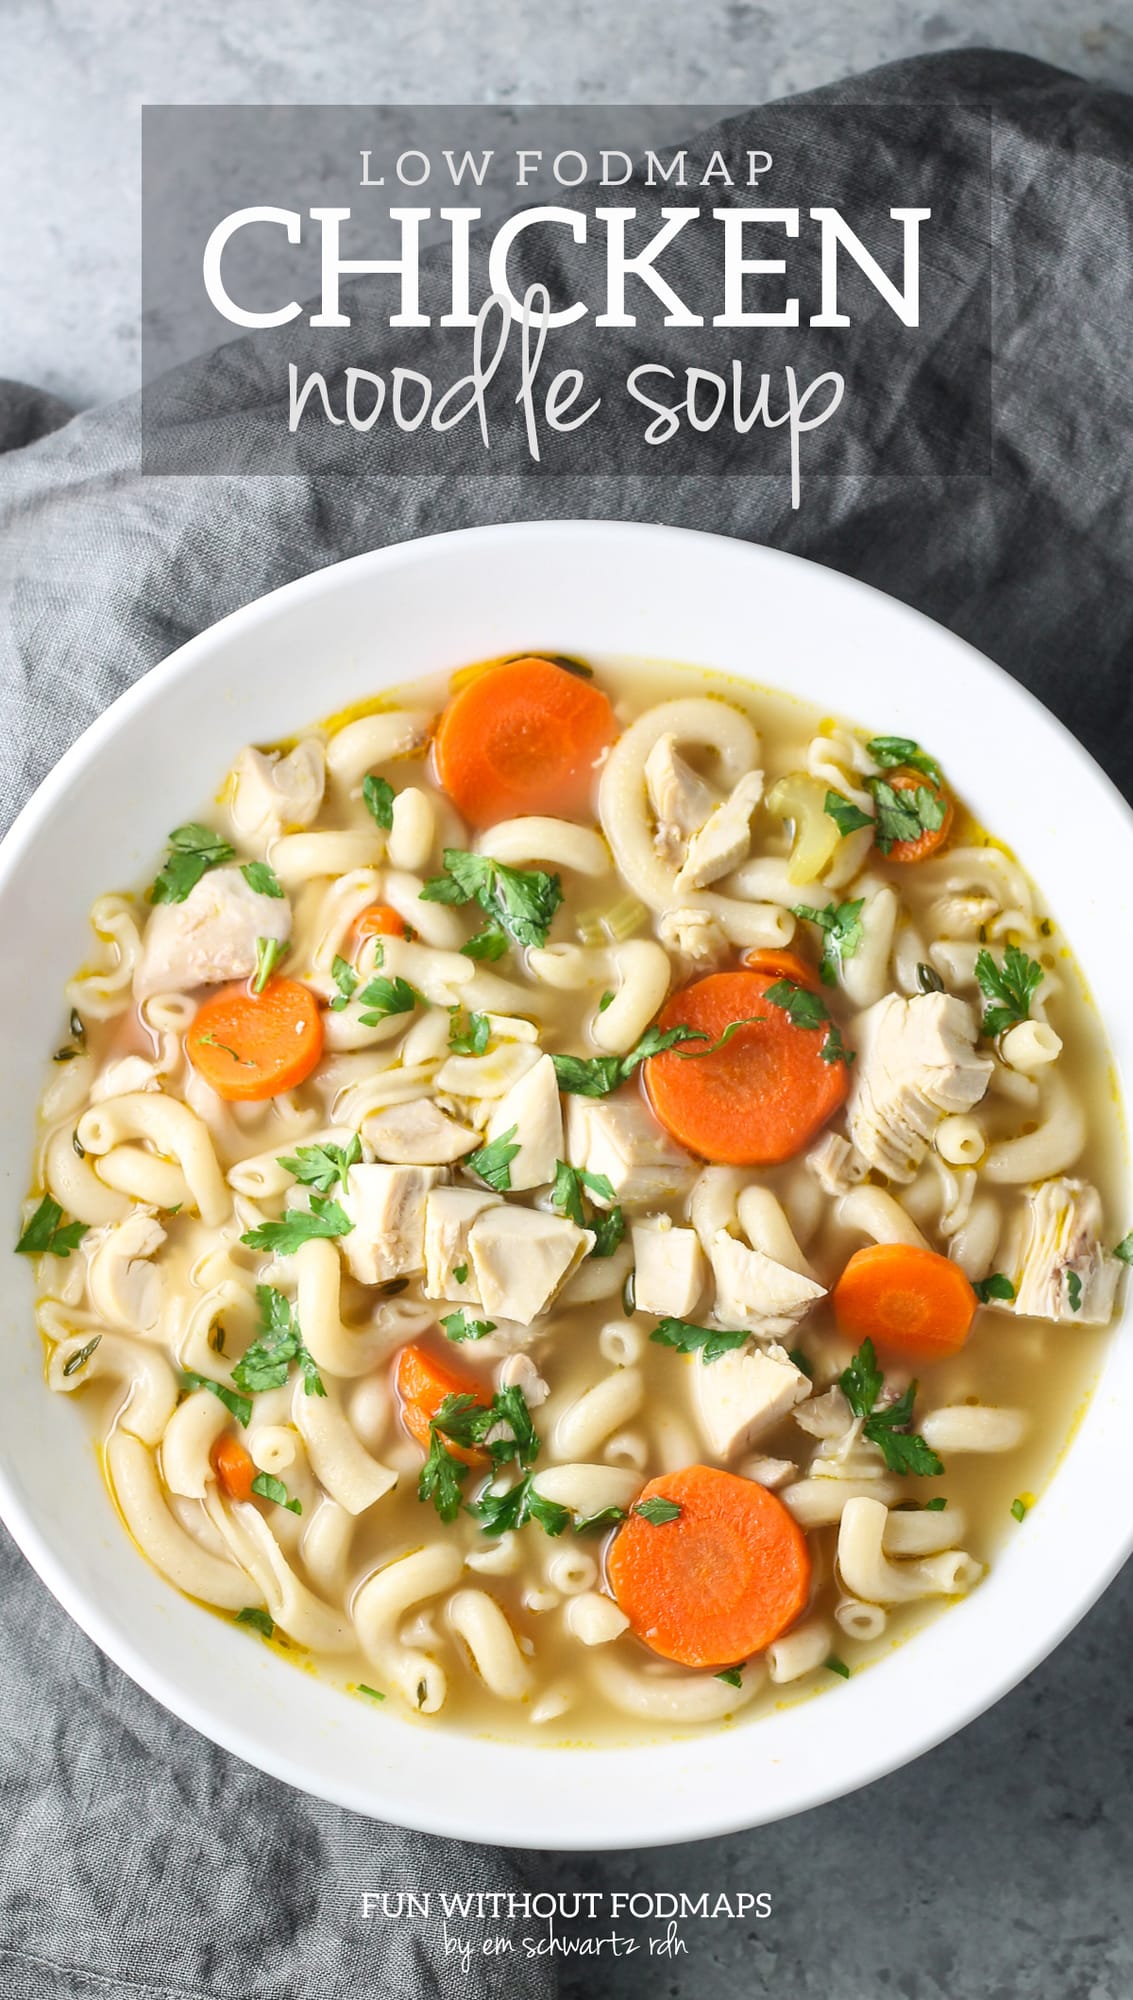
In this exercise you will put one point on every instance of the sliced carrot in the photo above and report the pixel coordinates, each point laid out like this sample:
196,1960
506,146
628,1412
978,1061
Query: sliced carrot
908,780
423,1382
522,738
908,1301
234,1467
783,965
376,920
761,1097
720,1581
249,1046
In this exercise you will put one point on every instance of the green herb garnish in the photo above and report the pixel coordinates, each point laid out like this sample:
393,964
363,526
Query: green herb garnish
270,1488
847,817
321,1167
519,903
836,1666
731,1676
905,815
262,879
346,980
237,1406
711,1342
193,850
888,1427
1074,1291
80,1357
472,1039
458,1327
269,951
283,1238
267,1362
384,997
378,797
258,1620
46,1234
493,1162
1011,986
805,1009
842,934
657,1511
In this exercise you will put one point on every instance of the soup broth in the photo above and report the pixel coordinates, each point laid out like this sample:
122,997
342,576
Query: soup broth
531,1394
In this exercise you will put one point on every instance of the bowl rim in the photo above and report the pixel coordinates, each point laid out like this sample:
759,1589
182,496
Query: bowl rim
622,1821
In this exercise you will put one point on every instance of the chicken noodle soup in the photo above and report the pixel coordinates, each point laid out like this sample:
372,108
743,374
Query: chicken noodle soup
580,1197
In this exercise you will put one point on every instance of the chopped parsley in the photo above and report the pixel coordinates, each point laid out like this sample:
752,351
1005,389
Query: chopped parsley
996,1287
905,815
80,1357
237,1406
263,879
842,934
460,1273
384,997
888,1427
211,1041
519,903
846,815
836,1666
731,1676
499,1512
1019,1508
597,1076
1011,987
607,1000
267,1362
802,1363
269,951
258,1620
936,1506
458,1327
46,1234
608,1226
193,850
1074,1291
322,1166
503,1428
609,1517
1124,1249
346,980
270,1488
711,1342
805,1009
283,1238
657,1511
472,1038
893,751
492,1163
374,1693
929,980
378,797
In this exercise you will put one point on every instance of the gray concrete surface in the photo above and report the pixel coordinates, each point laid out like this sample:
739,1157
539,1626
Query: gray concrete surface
998,1867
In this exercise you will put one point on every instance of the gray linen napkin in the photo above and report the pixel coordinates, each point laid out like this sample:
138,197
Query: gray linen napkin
140,1860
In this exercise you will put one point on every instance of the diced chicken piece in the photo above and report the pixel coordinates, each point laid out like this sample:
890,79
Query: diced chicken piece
917,1063
531,1110
770,1472
271,793
742,1396
725,838
753,1291
835,1165
619,1137
449,1215
680,798
521,1257
418,1134
1055,1240
485,1076
693,934
387,1207
520,1372
669,1268
209,937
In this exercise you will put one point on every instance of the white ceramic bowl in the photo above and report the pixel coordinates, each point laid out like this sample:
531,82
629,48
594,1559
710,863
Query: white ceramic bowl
306,651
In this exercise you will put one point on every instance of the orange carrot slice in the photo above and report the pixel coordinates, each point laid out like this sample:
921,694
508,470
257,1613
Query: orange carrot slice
234,1467
423,1382
929,842
783,965
376,920
761,1097
908,1301
720,1581
250,1046
521,738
